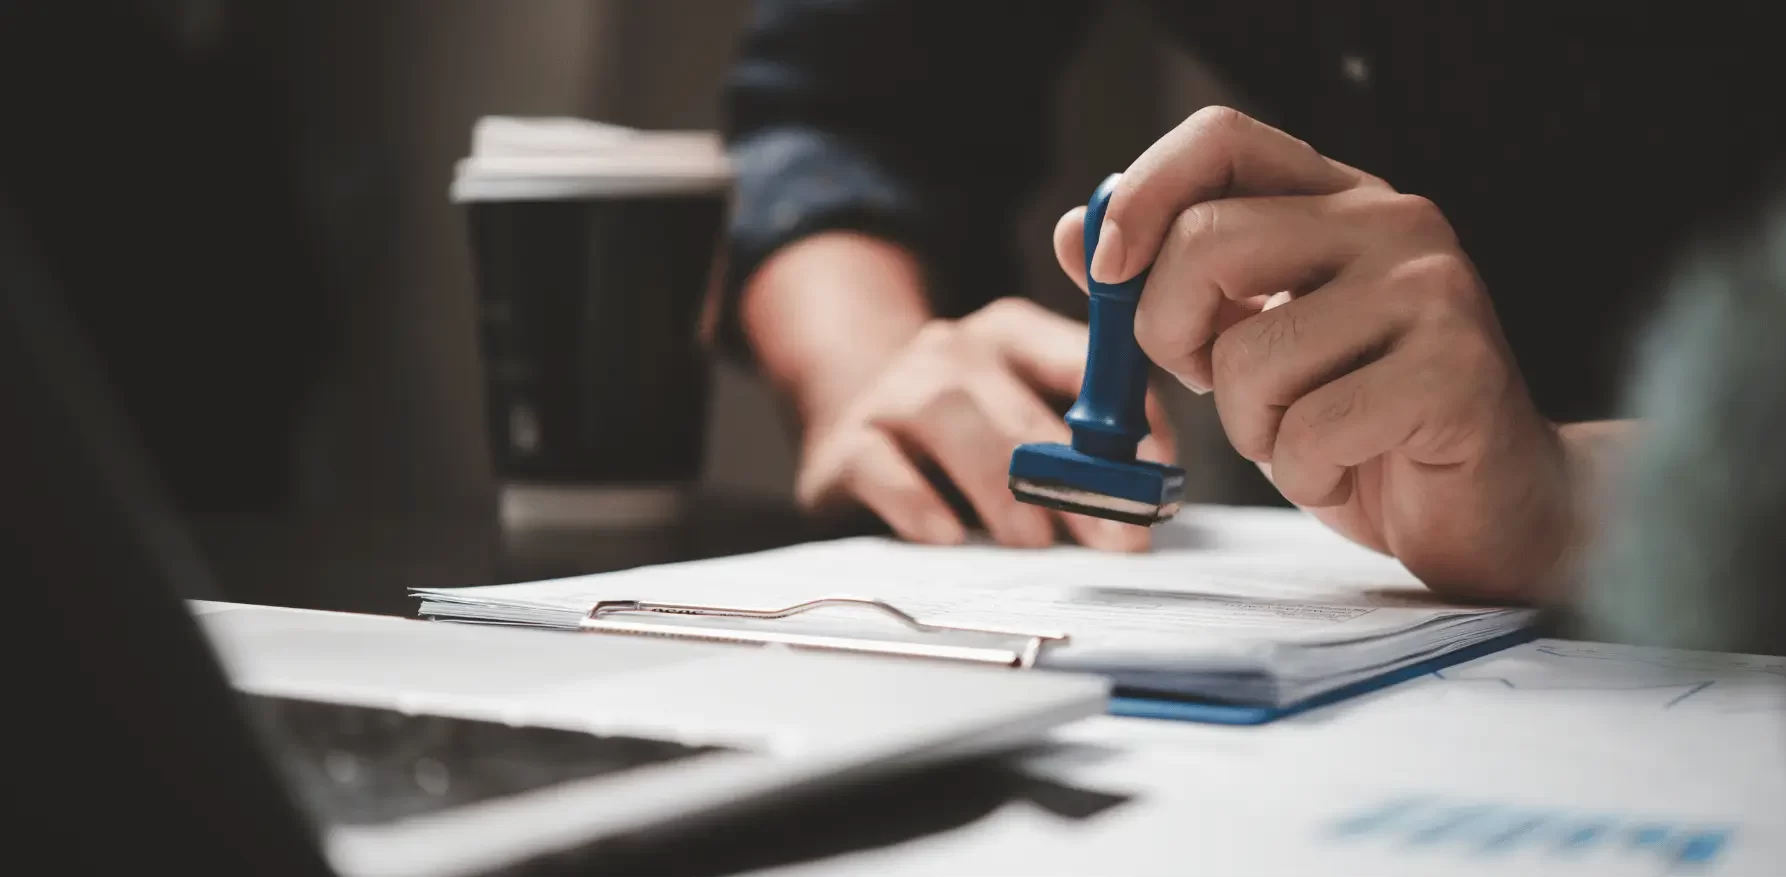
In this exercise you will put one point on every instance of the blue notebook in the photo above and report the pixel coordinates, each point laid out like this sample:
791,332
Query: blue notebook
1142,704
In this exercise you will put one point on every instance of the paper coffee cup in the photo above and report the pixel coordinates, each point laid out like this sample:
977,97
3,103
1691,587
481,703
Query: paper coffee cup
593,247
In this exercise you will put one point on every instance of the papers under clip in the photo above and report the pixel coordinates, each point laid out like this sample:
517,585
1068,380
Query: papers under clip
602,619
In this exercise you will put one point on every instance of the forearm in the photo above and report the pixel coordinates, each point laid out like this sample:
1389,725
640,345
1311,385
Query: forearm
824,314
881,118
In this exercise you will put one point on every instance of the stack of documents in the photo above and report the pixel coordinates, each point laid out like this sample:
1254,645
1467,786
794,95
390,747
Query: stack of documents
1257,607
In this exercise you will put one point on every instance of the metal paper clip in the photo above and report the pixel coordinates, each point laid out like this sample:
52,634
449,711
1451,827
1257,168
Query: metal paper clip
600,620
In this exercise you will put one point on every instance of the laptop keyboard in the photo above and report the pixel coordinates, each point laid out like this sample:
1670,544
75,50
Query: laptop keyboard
356,765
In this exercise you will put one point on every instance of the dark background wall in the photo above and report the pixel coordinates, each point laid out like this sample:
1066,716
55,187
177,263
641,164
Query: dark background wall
348,118
391,90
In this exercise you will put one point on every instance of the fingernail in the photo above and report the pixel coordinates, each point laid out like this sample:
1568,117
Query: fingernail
1192,384
1107,262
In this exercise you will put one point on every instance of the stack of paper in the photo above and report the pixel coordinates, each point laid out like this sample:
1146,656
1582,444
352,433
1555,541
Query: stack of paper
1245,606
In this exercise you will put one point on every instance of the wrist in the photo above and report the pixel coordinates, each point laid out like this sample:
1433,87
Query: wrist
825,314
1592,453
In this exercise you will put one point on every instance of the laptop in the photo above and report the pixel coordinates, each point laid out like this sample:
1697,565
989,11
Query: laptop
163,726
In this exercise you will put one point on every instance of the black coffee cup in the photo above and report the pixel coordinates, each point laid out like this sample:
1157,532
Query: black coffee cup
593,247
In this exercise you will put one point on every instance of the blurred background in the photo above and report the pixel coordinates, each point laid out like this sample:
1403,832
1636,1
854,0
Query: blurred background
387,96
248,203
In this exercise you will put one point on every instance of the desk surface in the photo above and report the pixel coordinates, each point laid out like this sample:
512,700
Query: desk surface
1554,757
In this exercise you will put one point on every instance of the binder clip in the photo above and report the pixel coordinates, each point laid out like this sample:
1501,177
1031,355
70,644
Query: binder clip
602,619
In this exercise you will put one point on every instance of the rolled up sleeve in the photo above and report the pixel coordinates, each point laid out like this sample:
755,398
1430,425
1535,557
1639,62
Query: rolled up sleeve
921,122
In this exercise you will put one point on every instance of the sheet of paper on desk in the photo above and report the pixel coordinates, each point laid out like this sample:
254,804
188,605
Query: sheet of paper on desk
1249,605
1552,757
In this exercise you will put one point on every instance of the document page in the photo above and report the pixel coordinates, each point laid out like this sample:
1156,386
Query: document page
1559,758
1219,582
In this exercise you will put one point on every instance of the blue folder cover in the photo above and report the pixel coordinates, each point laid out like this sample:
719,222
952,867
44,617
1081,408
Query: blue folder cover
1141,705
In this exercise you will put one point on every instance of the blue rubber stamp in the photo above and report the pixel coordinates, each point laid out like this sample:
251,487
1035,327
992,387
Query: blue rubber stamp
1098,474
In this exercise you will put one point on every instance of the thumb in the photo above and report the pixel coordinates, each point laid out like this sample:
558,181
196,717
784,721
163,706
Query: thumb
1216,153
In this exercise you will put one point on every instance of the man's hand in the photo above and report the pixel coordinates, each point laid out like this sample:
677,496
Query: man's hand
1353,352
957,400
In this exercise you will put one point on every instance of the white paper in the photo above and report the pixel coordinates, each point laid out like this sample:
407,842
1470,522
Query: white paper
1226,591
1550,758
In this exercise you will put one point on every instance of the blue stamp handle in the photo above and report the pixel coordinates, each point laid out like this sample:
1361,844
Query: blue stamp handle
1110,417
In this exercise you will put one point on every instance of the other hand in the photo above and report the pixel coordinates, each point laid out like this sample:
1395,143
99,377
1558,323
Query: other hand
955,401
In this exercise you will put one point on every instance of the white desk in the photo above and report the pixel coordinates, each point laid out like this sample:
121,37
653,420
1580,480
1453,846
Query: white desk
1554,757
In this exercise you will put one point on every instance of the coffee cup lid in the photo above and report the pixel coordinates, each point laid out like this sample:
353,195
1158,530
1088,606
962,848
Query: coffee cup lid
551,158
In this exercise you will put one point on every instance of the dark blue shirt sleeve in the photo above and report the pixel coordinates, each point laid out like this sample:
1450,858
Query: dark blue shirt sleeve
923,122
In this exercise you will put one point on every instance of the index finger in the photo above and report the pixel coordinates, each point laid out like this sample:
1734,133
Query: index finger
1046,349
1216,153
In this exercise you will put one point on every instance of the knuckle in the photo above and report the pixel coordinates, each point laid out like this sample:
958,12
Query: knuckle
912,397
1372,181
1444,282
1294,433
1000,312
1414,213
1309,421
1412,221
1228,358
1218,130
1195,226
945,400
1219,120
1239,354
1248,432
1279,330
